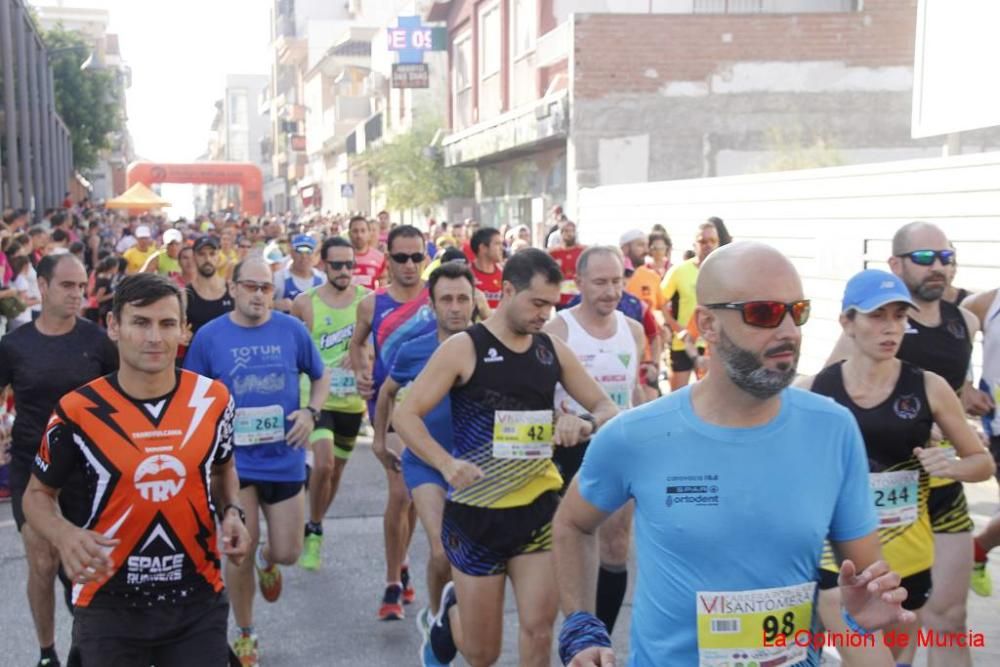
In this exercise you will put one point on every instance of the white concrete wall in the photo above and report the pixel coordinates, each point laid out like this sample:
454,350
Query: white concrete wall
830,222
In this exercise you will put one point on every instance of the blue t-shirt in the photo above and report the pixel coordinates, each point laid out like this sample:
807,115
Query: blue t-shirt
725,509
260,366
412,357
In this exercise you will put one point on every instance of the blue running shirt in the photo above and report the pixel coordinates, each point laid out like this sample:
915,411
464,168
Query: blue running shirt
721,512
260,366
412,357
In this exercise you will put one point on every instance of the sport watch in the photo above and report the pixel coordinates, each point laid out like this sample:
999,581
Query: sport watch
314,412
239,512
593,423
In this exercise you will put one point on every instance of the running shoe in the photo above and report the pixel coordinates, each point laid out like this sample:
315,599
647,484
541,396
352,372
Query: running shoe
391,609
49,662
409,593
980,582
427,657
269,580
311,553
440,640
245,648
424,620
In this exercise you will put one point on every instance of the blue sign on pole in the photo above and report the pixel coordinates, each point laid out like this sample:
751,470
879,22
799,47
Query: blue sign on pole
412,38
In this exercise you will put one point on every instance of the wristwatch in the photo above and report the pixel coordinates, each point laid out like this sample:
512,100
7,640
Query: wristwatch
314,412
593,423
239,511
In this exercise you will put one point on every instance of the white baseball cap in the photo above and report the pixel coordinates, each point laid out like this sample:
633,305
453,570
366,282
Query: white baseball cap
172,236
142,232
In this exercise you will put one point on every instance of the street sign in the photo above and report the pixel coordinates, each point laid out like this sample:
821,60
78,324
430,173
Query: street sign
410,75
411,39
347,190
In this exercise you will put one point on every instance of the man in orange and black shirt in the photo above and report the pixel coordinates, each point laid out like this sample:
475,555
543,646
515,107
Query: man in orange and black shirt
154,446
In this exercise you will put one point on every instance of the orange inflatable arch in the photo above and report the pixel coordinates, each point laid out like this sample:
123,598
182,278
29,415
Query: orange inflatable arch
244,174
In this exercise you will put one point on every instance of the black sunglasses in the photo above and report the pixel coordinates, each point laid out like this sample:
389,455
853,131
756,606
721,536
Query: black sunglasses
339,266
767,314
927,257
402,257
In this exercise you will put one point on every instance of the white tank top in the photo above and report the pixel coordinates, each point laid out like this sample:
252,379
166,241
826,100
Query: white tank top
990,381
611,361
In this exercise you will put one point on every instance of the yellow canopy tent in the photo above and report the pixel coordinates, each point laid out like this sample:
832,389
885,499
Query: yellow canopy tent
137,197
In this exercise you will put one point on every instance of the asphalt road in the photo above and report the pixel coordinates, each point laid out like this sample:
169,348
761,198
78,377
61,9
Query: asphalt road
328,617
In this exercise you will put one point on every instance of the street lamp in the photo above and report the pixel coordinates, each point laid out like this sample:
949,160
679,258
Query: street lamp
90,63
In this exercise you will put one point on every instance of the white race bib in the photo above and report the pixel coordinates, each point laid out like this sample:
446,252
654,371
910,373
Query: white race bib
758,625
896,495
522,434
259,426
342,382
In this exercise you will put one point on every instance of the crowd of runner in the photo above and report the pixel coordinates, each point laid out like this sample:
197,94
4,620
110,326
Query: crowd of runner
169,384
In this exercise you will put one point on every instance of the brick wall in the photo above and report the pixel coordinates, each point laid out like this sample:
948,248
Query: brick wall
614,52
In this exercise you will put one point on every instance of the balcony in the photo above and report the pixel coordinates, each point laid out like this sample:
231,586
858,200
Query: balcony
553,47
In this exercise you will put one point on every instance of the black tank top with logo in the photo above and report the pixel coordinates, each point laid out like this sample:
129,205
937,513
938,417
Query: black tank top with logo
508,382
202,311
945,349
895,426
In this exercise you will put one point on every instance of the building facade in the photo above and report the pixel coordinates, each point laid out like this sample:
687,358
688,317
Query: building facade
548,97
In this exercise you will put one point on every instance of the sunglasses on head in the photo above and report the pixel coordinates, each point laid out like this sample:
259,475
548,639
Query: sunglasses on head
767,314
927,257
402,257
252,286
339,266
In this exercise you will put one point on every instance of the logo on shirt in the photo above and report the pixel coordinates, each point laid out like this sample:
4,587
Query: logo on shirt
492,356
243,355
159,478
164,566
544,355
695,490
955,328
625,359
907,407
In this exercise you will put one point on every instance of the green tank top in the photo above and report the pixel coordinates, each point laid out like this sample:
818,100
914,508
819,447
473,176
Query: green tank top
167,265
331,331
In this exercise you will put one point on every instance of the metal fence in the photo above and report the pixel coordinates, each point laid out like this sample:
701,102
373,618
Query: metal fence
36,151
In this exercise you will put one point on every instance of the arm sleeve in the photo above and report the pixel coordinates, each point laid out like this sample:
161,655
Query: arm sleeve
224,432
58,455
602,476
854,515
310,362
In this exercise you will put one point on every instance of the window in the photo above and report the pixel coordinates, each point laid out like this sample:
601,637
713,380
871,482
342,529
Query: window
490,51
525,27
461,75
522,87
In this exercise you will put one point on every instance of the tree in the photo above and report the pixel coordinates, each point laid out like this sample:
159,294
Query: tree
88,101
410,175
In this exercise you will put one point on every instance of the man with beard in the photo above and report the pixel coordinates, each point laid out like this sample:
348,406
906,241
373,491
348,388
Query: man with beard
329,313
369,263
566,256
207,296
775,470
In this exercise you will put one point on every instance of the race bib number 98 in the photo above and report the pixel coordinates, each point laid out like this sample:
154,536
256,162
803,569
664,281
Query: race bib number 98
758,626
259,426
522,434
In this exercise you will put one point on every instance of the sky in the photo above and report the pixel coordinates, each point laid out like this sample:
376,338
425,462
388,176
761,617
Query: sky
180,52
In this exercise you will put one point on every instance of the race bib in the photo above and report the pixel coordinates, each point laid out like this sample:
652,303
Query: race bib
259,426
619,393
522,434
896,497
753,627
342,382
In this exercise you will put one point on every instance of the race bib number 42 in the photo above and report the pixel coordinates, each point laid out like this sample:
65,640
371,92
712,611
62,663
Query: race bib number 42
757,626
522,434
259,426
896,497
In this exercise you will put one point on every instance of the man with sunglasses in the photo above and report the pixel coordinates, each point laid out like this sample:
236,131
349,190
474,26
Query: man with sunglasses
259,354
774,469
391,316
329,313
299,276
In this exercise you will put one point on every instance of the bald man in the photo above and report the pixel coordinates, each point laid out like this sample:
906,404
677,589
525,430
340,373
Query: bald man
773,469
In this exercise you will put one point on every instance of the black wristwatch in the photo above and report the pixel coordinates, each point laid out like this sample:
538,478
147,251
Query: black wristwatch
239,511
593,423
314,412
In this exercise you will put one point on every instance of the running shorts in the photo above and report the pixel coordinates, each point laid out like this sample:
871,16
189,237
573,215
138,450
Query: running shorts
948,509
341,427
272,493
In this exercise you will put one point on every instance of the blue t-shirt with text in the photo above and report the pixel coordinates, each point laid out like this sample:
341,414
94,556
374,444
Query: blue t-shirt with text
725,509
260,366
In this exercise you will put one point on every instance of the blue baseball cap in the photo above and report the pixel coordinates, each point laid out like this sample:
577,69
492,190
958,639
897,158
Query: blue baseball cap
303,243
871,289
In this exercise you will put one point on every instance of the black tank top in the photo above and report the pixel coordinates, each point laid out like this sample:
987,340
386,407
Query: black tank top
895,426
945,349
201,311
504,380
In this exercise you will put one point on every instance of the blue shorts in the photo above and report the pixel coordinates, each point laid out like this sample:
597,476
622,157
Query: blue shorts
417,473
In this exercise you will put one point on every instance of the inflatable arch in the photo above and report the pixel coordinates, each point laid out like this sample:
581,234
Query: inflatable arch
244,174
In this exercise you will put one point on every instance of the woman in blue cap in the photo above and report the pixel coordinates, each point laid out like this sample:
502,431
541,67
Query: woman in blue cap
895,404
